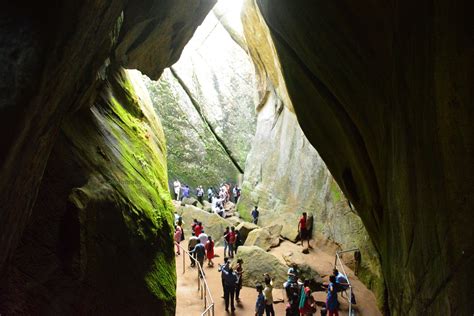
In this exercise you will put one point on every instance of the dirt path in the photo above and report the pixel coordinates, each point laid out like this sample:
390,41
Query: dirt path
189,303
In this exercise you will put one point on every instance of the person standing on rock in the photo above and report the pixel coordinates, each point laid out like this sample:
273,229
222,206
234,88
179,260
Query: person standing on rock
210,194
357,259
177,188
267,293
200,193
303,231
186,191
238,240
210,251
255,213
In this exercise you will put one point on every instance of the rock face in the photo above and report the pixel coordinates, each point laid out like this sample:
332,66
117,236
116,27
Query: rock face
284,174
257,262
207,102
385,95
109,223
85,222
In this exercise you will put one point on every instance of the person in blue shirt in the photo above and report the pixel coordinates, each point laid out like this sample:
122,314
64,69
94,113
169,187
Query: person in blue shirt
341,280
230,282
255,214
260,304
332,304
200,252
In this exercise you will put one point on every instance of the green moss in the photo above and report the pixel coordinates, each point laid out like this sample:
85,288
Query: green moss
128,154
336,193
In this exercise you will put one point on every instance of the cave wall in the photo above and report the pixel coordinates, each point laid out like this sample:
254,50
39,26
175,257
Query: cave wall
384,92
57,77
97,241
284,174
207,103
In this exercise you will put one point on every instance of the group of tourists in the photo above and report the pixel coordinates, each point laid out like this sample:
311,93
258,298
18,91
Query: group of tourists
300,300
298,292
225,193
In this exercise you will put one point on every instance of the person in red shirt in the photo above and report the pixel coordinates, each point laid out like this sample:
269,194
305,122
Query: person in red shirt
303,229
210,251
232,238
198,229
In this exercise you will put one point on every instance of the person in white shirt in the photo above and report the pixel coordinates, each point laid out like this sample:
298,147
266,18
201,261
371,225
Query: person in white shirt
267,293
177,188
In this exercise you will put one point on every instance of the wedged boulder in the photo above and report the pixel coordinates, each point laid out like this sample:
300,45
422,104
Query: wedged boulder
245,228
306,271
229,208
265,237
257,262
191,201
275,231
213,224
259,237
234,220
206,206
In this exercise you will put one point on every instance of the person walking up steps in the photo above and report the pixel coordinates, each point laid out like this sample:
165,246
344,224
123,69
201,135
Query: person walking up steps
192,242
200,251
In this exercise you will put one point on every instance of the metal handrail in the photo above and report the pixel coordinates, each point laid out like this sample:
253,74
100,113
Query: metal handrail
202,288
338,258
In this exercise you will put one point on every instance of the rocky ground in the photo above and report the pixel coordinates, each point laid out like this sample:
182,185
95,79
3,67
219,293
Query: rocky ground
317,264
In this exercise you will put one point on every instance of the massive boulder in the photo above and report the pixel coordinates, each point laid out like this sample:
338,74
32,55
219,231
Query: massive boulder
257,262
385,95
264,238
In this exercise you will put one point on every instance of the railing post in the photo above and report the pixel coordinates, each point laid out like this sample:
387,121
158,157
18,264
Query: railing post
205,296
184,262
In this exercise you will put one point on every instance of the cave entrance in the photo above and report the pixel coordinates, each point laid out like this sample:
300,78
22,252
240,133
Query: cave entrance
225,111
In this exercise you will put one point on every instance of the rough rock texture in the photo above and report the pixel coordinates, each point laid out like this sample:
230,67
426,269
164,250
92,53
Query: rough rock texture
264,238
384,92
207,101
245,228
103,244
257,262
284,174
306,272
213,224
53,62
